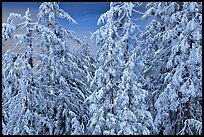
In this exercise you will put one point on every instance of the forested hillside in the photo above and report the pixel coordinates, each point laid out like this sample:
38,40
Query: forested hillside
146,84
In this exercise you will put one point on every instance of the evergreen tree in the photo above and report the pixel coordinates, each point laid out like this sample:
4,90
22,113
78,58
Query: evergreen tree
59,73
174,40
115,42
9,27
131,103
9,84
25,94
86,61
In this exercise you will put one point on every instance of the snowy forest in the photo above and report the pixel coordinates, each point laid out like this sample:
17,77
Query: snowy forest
146,84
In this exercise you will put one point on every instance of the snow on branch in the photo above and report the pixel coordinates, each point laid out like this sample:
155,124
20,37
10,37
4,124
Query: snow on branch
191,127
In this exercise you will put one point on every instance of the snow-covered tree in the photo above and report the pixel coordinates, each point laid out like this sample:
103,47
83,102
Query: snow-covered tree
48,94
131,104
115,42
21,106
47,16
120,26
86,61
9,27
173,61
9,74
59,74
9,84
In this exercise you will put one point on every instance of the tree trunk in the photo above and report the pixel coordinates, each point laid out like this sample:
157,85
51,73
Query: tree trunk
176,124
170,116
181,124
187,112
196,107
30,62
